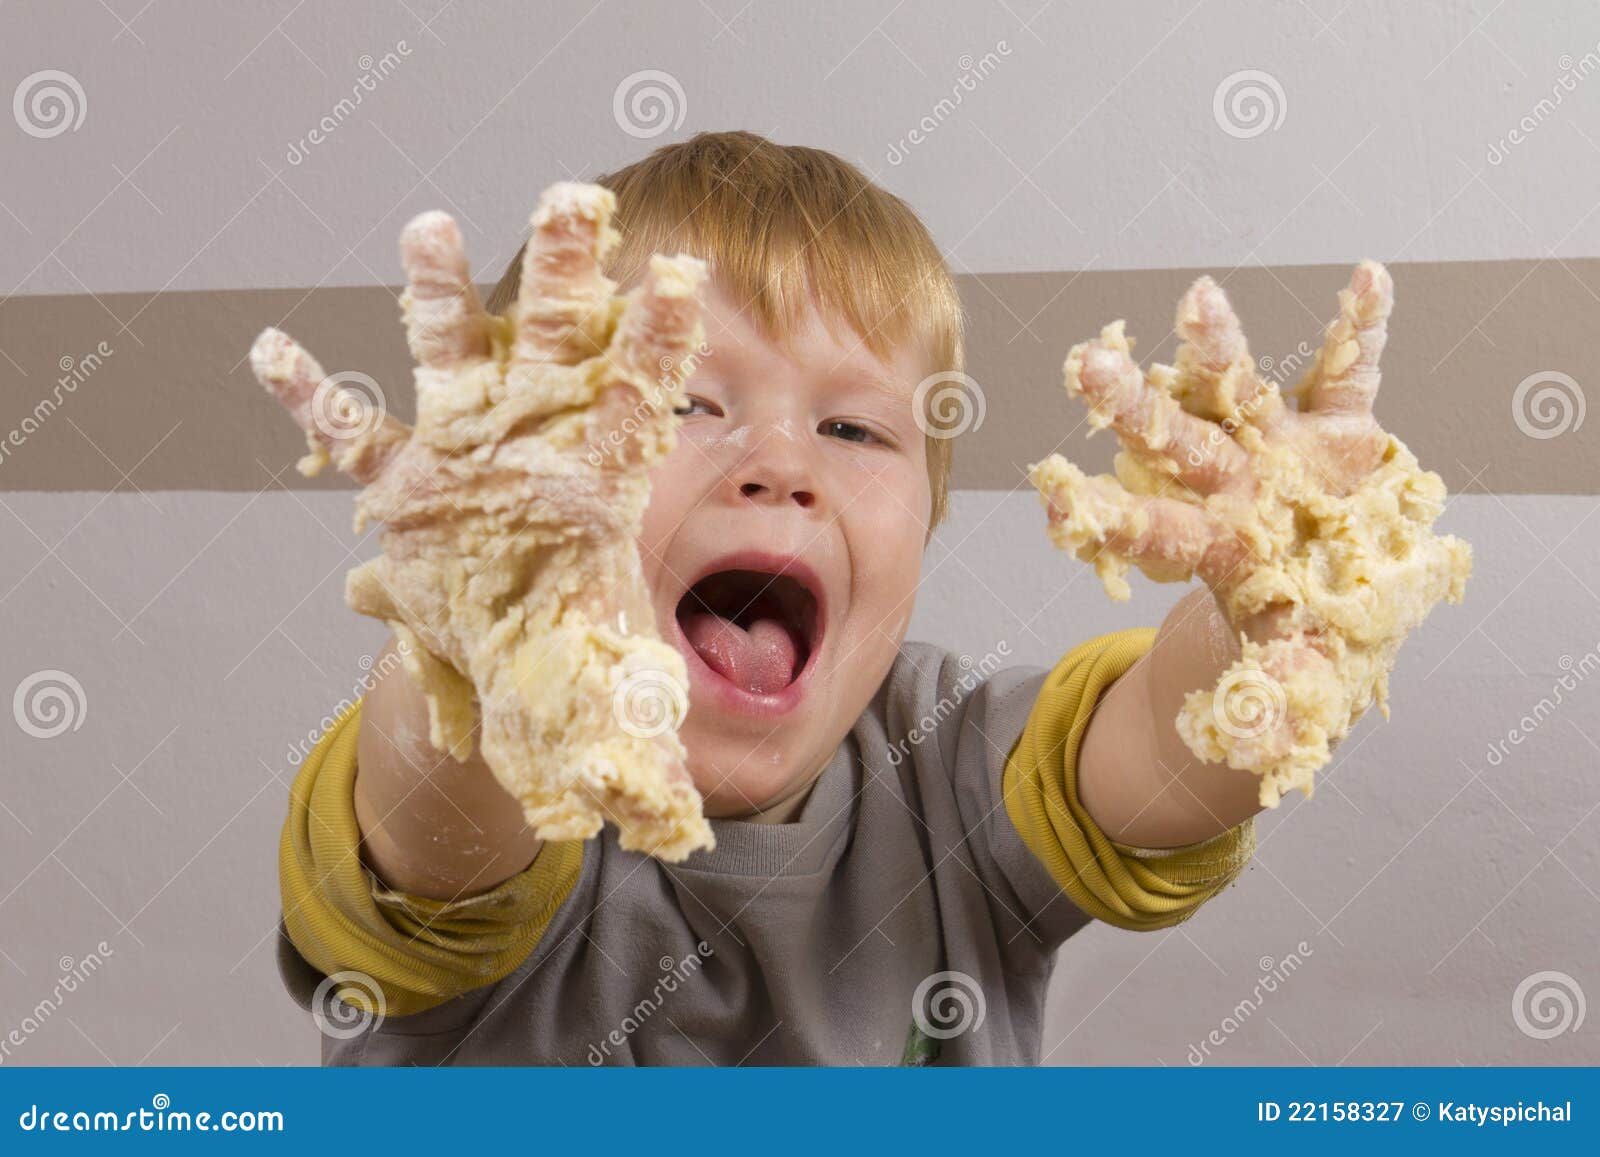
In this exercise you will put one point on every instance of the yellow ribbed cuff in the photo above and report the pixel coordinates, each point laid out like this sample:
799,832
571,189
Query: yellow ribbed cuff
1128,887
419,952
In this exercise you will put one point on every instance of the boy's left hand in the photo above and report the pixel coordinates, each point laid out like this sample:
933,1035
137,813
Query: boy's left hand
1311,526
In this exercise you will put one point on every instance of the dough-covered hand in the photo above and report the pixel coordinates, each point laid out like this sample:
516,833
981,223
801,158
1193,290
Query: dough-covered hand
509,558
1312,526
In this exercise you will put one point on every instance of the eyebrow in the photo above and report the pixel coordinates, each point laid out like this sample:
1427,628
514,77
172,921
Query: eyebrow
876,382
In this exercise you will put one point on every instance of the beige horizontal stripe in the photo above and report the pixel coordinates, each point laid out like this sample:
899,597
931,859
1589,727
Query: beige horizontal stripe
122,390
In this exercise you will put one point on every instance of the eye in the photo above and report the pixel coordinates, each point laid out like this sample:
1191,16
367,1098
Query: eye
686,408
848,431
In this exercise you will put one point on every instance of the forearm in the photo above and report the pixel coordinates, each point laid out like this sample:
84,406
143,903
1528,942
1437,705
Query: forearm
430,826
1135,776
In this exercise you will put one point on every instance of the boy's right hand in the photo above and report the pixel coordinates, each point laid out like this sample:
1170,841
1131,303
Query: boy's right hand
510,567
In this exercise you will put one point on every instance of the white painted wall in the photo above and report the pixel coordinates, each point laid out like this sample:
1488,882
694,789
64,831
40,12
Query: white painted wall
1088,141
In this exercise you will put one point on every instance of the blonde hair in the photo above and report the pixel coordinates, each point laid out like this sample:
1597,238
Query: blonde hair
783,226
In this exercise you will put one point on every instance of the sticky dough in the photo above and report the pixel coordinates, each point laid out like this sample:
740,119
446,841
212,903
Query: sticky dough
1359,571
510,569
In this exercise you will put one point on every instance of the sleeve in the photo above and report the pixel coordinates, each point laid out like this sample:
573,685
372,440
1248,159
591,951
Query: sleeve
1129,887
416,952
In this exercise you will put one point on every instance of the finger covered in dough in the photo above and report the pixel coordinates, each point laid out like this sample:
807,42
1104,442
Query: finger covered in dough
445,322
1105,525
1345,377
1149,422
1215,377
564,308
344,416
654,350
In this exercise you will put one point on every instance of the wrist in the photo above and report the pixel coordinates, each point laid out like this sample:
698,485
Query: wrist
1137,778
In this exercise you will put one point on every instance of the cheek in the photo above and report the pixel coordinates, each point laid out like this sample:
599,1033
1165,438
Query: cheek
895,494
887,524
670,494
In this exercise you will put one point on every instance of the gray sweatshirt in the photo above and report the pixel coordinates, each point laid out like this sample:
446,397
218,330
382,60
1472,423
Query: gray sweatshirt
900,918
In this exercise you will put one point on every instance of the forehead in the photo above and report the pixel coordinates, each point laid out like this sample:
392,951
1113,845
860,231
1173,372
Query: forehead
815,342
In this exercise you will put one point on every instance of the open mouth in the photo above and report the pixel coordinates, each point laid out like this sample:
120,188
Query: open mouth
754,628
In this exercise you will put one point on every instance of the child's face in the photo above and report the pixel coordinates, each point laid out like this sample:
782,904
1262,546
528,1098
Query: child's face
808,459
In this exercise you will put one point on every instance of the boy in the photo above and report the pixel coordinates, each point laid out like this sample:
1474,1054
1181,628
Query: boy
899,848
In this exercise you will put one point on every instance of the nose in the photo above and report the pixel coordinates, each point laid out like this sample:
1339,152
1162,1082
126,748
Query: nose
776,472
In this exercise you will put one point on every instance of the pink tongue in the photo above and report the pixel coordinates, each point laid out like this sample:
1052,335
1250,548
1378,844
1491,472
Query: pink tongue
760,659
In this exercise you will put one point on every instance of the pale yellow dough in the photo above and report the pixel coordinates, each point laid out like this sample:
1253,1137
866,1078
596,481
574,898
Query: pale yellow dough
510,568
1360,570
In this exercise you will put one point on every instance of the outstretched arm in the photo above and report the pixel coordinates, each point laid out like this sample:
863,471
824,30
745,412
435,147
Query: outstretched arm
509,573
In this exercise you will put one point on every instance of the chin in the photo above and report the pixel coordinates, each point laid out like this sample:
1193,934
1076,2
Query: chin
736,780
